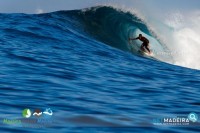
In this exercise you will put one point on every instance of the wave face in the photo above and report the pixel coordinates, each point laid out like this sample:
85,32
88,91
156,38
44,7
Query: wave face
114,27
64,61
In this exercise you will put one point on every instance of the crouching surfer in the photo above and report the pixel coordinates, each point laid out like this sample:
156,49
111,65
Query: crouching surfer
145,44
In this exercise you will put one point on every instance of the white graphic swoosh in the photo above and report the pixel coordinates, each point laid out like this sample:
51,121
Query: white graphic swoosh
38,114
48,112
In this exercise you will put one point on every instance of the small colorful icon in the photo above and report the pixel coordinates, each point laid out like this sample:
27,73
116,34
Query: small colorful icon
193,117
26,113
48,111
37,113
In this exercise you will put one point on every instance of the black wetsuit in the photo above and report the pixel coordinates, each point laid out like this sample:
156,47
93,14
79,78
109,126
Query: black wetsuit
144,44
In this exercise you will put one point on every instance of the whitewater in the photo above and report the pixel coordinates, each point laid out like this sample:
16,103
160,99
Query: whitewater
80,64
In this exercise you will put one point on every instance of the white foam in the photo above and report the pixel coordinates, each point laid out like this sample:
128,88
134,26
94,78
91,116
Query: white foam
186,40
39,11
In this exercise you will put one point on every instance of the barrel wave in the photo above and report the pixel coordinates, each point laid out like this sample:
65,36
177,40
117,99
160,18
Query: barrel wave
80,65
114,27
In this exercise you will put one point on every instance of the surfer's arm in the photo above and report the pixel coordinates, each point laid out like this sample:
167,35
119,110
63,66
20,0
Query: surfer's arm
133,38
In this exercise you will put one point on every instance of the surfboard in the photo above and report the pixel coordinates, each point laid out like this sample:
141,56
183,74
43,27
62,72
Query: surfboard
146,53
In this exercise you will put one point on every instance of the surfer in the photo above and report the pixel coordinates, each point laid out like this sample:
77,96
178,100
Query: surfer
145,43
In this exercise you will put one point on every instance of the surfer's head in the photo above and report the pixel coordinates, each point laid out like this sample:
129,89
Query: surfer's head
140,35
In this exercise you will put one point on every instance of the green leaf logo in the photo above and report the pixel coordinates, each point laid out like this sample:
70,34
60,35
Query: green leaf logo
26,113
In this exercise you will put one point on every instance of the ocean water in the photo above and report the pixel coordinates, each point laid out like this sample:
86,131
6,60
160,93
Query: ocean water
81,66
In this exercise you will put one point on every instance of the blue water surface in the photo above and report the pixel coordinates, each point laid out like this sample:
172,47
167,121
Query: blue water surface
52,61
